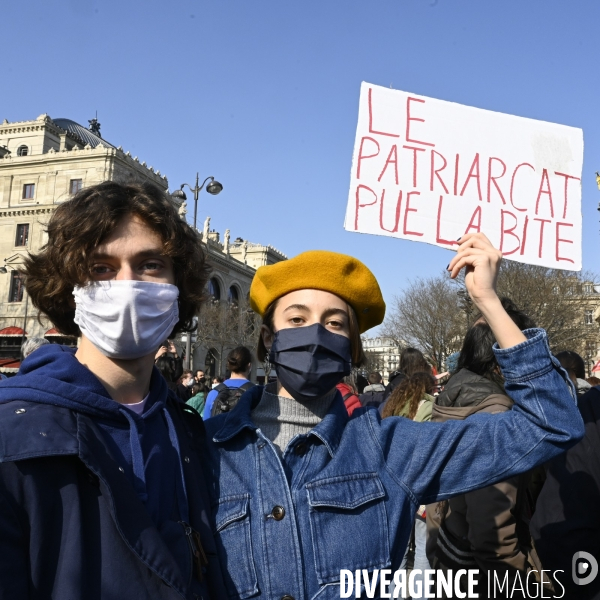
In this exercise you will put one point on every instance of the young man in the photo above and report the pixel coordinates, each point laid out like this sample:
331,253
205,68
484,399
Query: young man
102,494
373,393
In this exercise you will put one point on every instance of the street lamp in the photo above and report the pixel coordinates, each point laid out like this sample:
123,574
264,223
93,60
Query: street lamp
214,187
4,270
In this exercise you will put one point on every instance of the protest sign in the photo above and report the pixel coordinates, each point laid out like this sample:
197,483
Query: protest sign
431,171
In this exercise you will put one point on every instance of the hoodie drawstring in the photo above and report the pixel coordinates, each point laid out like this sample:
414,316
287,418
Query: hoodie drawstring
137,457
182,499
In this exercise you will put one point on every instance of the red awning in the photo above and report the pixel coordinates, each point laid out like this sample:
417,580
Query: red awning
12,332
55,333
596,367
9,365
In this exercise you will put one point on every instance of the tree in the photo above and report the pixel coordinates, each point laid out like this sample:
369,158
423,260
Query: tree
428,315
433,314
554,299
224,325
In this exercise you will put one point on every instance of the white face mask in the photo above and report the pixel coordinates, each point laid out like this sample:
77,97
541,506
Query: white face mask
126,319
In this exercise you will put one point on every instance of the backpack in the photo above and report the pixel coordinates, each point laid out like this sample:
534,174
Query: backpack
227,398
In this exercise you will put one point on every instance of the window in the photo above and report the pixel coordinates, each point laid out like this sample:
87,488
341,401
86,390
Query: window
75,185
16,287
22,151
22,235
232,295
214,290
589,317
588,289
28,190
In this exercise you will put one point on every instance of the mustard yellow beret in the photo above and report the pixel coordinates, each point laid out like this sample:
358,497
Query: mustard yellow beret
339,274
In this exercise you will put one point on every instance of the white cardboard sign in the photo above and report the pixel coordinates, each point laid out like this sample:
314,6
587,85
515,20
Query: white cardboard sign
431,171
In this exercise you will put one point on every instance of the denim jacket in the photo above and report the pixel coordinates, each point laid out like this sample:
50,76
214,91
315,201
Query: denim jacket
344,496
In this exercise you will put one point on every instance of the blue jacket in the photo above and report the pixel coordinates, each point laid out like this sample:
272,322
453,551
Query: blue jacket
94,499
345,495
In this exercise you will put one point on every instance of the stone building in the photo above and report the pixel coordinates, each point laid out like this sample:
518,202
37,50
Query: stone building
383,355
233,267
42,163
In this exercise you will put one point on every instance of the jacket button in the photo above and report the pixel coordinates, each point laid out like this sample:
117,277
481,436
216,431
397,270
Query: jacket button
122,469
187,459
287,597
20,411
278,513
300,449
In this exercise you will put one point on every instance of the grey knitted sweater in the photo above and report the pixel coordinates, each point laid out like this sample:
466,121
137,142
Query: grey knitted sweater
281,419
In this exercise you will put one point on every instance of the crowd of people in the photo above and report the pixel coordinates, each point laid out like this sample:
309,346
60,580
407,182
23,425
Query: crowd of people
122,474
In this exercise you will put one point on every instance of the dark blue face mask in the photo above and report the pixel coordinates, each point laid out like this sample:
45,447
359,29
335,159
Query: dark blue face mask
310,360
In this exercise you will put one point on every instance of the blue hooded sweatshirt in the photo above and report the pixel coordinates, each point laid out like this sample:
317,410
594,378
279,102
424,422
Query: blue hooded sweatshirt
145,446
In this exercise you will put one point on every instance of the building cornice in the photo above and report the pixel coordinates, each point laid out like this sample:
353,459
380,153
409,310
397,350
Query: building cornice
26,210
228,262
87,153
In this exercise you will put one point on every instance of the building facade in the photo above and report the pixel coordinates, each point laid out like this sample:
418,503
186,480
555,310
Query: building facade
233,267
44,162
383,355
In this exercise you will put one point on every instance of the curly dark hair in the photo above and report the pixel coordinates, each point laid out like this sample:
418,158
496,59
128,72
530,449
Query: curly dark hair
80,224
409,394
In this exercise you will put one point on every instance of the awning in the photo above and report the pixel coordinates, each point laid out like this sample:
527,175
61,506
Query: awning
12,332
55,333
9,365
596,367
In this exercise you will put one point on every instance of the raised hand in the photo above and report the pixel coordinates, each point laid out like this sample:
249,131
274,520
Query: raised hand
481,262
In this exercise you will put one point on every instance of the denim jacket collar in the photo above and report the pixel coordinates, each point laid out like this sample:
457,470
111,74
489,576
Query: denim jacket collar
329,430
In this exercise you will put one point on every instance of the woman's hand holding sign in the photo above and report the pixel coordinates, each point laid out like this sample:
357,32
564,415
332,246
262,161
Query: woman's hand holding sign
481,262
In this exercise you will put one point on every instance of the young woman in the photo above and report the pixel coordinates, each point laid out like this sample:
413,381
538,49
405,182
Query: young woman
302,491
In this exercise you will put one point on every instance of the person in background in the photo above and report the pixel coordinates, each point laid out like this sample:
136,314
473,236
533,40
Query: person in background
412,399
593,381
361,383
239,364
216,380
347,388
32,344
567,513
411,361
168,351
102,487
184,385
574,365
373,393
166,368
200,378
302,491
485,529
198,398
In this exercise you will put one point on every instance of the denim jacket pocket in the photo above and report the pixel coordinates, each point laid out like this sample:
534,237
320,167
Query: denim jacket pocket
348,522
234,545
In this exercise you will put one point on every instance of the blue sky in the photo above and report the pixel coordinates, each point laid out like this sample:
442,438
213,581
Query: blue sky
264,95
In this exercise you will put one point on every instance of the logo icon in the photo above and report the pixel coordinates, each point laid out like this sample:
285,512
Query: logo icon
585,568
